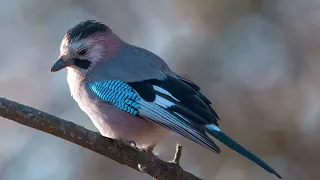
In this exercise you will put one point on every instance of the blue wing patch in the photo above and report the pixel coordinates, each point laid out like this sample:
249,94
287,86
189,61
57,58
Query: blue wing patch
117,93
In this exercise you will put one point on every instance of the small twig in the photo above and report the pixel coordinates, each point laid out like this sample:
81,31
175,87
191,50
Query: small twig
178,154
116,150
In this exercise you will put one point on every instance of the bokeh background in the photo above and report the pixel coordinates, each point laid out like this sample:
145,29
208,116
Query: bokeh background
257,60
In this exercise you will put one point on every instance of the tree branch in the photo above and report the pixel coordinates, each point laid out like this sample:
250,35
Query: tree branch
113,149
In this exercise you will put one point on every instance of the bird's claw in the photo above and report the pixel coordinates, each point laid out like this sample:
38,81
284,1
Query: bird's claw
150,158
142,168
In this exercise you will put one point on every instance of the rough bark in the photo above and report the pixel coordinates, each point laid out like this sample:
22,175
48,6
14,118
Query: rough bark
116,150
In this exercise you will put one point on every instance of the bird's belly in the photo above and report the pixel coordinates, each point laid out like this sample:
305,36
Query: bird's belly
117,124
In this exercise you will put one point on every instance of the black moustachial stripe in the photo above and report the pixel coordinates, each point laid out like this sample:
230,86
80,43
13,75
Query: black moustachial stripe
85,29
82,63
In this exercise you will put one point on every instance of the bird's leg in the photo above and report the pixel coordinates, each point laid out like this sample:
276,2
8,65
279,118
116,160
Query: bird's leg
148,150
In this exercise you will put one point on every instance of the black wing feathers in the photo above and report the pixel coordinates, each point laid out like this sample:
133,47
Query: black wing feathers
181,109
192,103
190,83
144,89
196,88
189,97
203,97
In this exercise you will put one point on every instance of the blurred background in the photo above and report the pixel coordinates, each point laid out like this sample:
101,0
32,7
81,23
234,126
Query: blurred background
256,60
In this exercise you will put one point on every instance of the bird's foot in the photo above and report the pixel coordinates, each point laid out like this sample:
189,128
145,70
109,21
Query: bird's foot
150,158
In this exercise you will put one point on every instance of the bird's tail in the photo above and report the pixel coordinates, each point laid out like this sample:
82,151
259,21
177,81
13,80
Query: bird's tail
218,134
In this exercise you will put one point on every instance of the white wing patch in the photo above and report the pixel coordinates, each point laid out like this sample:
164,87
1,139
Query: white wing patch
163,102
163,91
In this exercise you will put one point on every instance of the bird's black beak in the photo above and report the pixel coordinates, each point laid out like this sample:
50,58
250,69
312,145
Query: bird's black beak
60,64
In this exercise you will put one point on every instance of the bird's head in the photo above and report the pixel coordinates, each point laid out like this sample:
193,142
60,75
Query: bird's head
86,44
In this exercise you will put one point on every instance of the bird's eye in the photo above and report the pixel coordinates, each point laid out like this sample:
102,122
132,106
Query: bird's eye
82,52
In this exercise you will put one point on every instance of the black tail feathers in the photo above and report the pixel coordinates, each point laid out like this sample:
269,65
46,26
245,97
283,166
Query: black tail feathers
215,132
